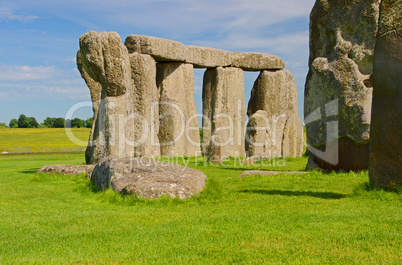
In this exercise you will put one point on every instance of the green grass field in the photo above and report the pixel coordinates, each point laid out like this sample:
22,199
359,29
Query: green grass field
285,219
40,138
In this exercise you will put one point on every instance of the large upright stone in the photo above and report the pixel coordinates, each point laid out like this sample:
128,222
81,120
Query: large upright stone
292,141
143,121
385,168
178,129
104,63
275,93
95,89
339,83
258,141
223,111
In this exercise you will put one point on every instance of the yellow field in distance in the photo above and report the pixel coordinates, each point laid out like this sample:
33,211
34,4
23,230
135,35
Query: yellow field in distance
41,139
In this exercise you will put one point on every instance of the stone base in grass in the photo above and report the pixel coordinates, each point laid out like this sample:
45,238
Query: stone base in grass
73,170
147,178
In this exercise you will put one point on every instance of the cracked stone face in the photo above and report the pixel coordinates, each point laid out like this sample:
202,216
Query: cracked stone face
342,40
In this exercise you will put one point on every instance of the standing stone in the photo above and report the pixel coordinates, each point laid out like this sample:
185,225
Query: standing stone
339,83
178,128
223,111
122,96
95,89
214,150
275,93
104,60
292,142
385,168
143,122
258,141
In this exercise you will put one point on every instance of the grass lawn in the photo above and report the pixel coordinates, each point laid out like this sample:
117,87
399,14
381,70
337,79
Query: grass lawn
301,219
38,138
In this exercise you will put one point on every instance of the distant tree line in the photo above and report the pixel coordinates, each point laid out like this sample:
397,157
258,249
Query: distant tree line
23,122
30,122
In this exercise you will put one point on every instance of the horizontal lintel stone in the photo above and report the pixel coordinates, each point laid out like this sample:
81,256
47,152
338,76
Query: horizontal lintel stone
164,50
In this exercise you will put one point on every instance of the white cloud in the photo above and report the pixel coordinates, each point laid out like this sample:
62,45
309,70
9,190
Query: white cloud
175,17
69,91
26,72
73,90
34,82
286,43
194,16
6,14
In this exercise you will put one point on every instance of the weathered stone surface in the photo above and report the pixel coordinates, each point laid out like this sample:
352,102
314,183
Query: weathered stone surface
205,57
104,60
259,135
274,93
95,89
160,49
142,123
292,142
164,50
122,91
73,170
385,166
342,38
178,129
147,178
223,110
253,61
214,150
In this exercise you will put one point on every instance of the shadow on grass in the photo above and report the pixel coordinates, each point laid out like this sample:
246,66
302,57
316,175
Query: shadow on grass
29,171
367,188
322,195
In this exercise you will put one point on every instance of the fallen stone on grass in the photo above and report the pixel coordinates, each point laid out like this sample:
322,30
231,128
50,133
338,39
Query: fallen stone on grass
147,178
73,170
267,173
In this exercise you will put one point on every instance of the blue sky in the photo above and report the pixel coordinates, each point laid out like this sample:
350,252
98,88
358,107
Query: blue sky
39,41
